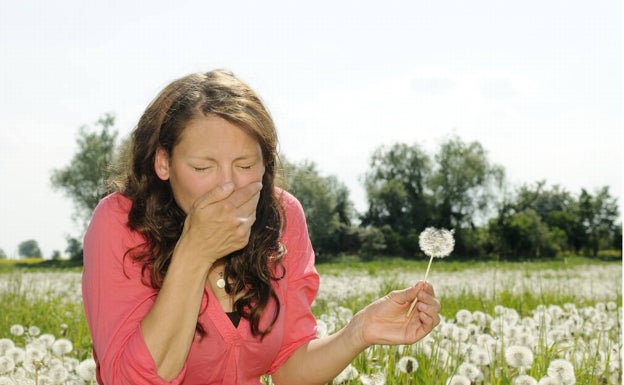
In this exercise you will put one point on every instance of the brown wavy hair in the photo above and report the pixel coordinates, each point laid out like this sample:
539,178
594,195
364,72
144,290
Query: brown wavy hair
157,216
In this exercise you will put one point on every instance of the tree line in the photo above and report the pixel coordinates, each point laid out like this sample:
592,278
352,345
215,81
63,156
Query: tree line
407,190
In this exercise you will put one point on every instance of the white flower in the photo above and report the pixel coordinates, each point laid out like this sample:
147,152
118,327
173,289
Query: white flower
62,346
562,370
17,354
518,356
463,317
5,344
407,364
458,379
524,379
58,374
373,379
34,331
6,364
549,381
349,373
17,330
436,243
86,369
470,371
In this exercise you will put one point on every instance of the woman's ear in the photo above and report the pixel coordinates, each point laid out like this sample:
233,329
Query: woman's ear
161,163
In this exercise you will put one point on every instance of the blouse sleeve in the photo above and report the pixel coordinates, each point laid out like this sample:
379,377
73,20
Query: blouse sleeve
116,300
302,283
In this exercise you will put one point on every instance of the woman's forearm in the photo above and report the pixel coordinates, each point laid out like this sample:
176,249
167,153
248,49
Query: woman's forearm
320,360
169,327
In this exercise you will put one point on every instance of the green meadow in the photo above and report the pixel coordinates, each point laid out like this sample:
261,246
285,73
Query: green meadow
556,314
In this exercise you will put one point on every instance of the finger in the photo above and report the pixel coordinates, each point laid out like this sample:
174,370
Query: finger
217,194
243,195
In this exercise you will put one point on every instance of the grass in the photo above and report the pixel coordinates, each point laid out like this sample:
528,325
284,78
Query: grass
44,295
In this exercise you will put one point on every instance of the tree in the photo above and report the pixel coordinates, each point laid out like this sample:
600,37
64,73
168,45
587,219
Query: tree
74,249
29,249
326,203
464,183
398,202
598,216
83,180
2,254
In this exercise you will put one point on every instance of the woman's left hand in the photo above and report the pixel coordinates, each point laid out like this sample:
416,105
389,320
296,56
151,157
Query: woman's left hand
385,321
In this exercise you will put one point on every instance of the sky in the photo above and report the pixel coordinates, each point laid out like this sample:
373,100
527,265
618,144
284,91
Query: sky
537,83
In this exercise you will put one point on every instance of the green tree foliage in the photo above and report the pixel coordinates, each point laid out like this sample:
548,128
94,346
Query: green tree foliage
464,186
29,249
598,216
83,180
408,190
541,222
325,200
398,203
74,249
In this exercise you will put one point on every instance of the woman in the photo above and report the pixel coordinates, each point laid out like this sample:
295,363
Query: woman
198,270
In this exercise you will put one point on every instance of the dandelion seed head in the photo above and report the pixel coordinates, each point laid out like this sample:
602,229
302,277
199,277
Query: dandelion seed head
6,364
458,379
5,344
463,317
373,379
17,330
58,374
349,373
519,356
549,381
562,370
407,364
471,371
524,379
16,353
62,346
86,369
437,243
6,381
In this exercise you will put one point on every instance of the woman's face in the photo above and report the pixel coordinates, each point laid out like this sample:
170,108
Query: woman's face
211,152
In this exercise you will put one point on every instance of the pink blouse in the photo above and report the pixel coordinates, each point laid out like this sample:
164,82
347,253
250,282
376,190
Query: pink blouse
116,301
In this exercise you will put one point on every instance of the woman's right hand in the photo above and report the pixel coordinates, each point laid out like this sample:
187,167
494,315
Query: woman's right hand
219,222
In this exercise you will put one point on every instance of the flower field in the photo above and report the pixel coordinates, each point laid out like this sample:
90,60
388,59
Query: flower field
522,323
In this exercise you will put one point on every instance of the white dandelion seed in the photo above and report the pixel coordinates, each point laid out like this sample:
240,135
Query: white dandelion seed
5,344
46,339
470,371
458,379
562,370
463,317
17,330
58,374
6,381
6,365
86,369
435,243
349,373
62,346
549,381
34,331
524,379
373,379
407,364
321,328
518,356
479,357
16,353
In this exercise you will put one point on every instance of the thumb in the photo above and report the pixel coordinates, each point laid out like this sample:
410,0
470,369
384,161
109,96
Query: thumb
217,194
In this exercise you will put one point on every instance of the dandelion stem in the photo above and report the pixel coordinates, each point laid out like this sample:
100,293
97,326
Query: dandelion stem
409,311
429,266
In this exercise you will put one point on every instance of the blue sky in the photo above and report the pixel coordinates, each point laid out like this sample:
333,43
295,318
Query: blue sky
537,83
